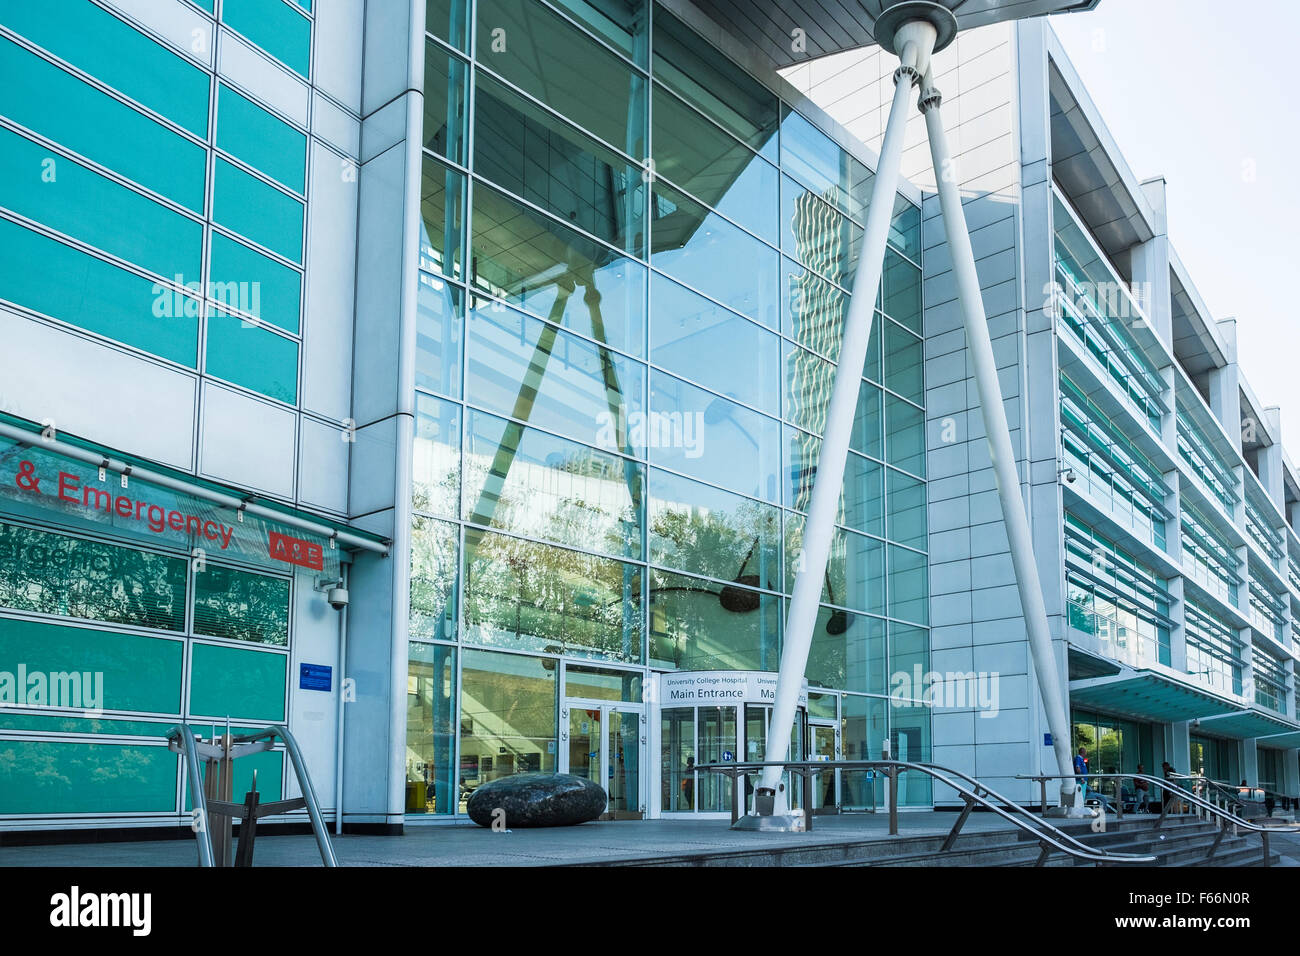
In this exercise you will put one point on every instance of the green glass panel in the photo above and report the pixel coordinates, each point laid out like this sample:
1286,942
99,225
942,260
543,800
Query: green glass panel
901,288
531,596
905,435
242,278
446,79
252,208
703,625
507,717
61,724
905,230
550,163
42,777
241,605
909,585
270,774
56,280
442,218
71,198
434,569
623,24
246,684
532,483
248,355
448,20
854,575
551,59
431,729
44,98
60,574
92,39
139,673
704,530
904,361
266,143
274,26
907,514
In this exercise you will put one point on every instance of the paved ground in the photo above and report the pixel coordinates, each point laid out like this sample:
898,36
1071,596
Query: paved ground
475,846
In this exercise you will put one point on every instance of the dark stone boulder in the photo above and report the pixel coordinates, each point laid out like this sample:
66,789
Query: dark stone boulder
537,800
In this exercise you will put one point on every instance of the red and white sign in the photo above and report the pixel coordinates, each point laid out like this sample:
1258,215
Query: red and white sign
291,550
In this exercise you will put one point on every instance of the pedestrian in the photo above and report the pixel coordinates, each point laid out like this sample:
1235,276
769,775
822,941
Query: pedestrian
1081,771
1141,792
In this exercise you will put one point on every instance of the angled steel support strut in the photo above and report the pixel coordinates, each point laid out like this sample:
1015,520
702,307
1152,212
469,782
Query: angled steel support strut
916,42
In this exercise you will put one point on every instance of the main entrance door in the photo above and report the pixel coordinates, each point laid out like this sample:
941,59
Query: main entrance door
605,742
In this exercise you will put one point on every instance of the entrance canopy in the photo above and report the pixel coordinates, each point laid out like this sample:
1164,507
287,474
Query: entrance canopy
1150,695
1247,723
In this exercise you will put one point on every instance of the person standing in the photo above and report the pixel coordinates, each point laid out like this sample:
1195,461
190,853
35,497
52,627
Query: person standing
1081,770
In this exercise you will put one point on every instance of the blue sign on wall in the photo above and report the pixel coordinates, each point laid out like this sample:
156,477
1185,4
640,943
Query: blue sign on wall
1047,740
315,676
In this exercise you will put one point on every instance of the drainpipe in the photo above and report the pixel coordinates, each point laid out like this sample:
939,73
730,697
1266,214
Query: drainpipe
343,664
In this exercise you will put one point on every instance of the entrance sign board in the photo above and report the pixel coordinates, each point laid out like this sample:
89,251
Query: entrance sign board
717,688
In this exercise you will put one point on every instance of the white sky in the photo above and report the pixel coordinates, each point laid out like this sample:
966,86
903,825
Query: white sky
1204,94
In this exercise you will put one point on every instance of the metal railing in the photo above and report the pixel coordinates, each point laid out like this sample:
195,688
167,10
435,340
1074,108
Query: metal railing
220,754
1173,793
1050,838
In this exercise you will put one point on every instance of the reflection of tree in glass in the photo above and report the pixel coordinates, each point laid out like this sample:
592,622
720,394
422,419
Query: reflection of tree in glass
59,574
241,605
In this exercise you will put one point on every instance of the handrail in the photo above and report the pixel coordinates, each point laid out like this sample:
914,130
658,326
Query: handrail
199,800
1048,836
1189,797
182,735
304,784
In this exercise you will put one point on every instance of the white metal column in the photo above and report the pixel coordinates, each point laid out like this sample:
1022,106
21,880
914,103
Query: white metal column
916,41
998,434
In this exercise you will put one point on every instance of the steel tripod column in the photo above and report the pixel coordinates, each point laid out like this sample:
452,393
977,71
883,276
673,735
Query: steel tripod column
997,432
916,41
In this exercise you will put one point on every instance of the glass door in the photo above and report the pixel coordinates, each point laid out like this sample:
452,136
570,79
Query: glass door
604,743
825,746
756,719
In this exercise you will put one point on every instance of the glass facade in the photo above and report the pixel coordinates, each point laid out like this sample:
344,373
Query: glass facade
635,267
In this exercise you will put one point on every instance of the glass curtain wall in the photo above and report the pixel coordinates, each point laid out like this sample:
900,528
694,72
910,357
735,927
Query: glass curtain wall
635,262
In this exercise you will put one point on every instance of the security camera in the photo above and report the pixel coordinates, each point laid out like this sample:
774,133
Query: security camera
338,598
1070,476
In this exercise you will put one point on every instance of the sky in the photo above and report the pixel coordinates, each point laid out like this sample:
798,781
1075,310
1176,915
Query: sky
1203,94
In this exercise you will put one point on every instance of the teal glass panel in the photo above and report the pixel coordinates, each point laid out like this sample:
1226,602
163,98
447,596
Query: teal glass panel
695,70
905,435
698,247
700,340
704,625
557,273
60,574
710,438
713,166
65,195
530,596
855,571
241,605
704,530
265,142
274,26
442,219
208,5
431,729
909,585
246,354
623,24
246,684
904,362
532,483
56,280
448,20
537,373
435,485
446,81
547,57
544,160
269,766
434,570
139,673
848,652
862,498
813,310
901,289
439,327
57,105
42,777
821,165
241,278
905,229
907,517
64,724
252,208
93,40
